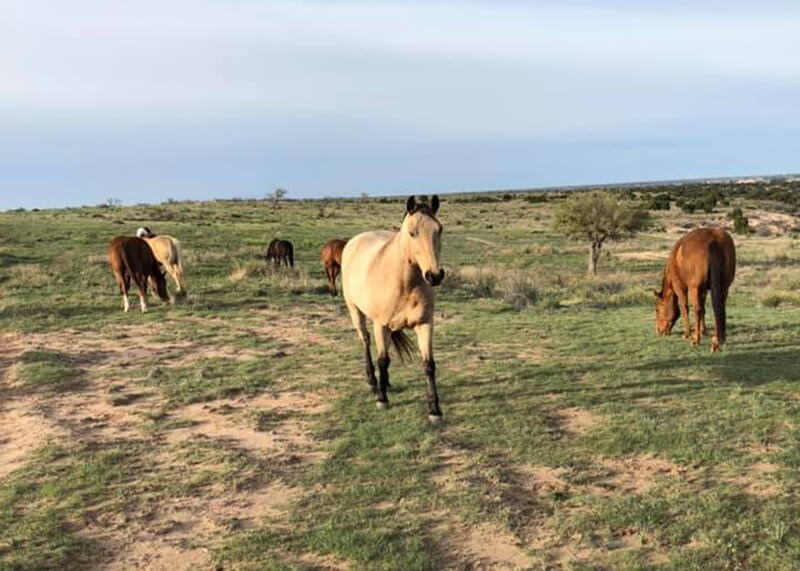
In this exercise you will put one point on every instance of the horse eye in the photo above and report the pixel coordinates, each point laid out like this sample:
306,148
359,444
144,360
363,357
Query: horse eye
413,233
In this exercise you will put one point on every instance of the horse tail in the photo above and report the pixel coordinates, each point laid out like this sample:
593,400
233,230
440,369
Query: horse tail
290,253
402,345
717,292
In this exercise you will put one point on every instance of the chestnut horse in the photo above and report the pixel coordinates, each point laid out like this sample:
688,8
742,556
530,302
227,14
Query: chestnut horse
389,277
331,255
281,251
132,258
167,251
703,260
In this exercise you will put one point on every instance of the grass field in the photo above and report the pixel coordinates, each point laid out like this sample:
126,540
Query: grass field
235,429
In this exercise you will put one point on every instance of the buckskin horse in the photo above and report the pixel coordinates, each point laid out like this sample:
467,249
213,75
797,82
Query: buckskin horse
389,277
167,251
132,258
703,260
331,255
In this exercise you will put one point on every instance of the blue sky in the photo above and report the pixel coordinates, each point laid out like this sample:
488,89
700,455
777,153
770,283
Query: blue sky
150,100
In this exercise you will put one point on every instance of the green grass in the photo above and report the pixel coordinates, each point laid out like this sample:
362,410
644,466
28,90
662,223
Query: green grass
521,336
47,370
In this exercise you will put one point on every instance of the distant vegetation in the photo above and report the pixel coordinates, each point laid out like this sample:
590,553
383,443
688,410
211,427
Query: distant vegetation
596,217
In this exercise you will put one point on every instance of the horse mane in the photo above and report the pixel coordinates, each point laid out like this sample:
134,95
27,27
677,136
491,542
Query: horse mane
423,208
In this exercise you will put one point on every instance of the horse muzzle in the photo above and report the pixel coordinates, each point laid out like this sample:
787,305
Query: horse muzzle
434,279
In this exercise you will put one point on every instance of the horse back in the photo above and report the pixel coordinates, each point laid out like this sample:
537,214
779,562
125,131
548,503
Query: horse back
695,255
126,253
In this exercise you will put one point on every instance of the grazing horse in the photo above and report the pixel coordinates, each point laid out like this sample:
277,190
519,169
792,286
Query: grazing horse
703,260
331,255
132,258
281,251
167,251
389,277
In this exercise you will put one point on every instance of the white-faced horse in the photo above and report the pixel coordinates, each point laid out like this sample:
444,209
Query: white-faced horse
389,277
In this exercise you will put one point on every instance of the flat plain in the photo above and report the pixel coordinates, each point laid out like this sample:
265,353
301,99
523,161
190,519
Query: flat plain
235,428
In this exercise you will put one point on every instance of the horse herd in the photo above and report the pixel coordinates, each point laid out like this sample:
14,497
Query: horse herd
389,276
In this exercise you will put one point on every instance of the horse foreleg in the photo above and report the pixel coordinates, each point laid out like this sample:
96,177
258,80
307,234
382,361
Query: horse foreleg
687,327
424,333
382,336
360,323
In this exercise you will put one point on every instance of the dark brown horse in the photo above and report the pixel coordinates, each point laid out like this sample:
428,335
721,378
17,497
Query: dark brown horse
281,251
331,255
132,258
703,260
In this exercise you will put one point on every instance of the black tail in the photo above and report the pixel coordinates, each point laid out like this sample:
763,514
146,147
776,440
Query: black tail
291,256
717,295
402,345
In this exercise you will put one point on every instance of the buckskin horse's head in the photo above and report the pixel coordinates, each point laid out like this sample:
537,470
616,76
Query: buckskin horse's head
420,236
666,311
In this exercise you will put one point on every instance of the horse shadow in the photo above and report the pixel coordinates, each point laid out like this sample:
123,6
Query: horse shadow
749,368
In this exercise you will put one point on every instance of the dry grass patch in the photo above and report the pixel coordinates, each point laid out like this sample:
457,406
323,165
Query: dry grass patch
577,421
637,474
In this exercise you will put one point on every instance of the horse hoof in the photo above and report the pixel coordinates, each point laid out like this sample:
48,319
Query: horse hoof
435,418
383,405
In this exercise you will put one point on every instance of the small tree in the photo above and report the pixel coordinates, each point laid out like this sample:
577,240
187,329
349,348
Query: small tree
277,194
741,225
597,217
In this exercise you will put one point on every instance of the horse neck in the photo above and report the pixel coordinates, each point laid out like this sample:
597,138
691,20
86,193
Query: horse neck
666,280
394,258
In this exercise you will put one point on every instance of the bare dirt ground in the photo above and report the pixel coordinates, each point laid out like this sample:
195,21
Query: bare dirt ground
178,533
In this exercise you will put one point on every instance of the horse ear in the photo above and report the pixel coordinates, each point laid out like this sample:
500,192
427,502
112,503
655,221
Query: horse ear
434,203
411,204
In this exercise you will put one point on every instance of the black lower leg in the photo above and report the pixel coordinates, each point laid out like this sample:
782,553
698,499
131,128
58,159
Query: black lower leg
383,368
433,398
371,380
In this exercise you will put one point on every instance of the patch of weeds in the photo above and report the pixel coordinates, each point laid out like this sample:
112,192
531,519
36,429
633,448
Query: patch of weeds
264,420
202,462
215,378
48,370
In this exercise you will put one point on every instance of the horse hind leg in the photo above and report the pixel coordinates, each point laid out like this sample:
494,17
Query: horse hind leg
123,282
382,337
360,323
334,273
703,328
173,272
141,287
695,297
330,271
